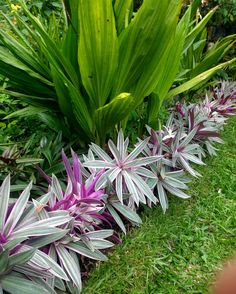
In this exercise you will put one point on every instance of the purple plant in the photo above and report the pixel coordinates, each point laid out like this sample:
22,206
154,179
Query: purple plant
189,132
223,99
19,223
84,236
125,170
46,239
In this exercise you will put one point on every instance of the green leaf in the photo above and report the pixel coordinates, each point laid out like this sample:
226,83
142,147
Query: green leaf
112,113
98,49
18,285
17,210
80,248
4,198
40,101
25,112
80,110
116,217
13,243
4,259
55,122
13,59
27,160
127,213
198,29
64,75
40,259
198,79
123,10
70,43
162,196
164,58
70,265
213,56
22,257
48,46
142,45
44,284
35,232
21,47
101,244
45,240
168,69
56,187
100,234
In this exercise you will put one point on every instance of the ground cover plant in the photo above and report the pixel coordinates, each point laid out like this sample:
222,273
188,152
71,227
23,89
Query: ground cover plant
103,189
180,251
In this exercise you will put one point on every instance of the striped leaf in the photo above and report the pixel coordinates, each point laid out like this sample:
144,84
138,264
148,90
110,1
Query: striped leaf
198,79
98,48
123,10
17,210
70,265
18,285
112,113
80,248
4,198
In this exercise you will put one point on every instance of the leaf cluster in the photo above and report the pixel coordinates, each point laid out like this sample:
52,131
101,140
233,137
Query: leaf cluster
104,62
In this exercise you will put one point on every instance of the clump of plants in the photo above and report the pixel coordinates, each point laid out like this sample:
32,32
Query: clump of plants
106,60
45,241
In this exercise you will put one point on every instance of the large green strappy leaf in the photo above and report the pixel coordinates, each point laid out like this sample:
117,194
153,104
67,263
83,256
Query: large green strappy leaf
98,49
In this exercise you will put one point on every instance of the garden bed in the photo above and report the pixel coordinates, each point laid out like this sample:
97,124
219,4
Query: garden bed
90,82
180,251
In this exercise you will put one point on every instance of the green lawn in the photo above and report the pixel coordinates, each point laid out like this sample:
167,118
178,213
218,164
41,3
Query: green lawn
179,252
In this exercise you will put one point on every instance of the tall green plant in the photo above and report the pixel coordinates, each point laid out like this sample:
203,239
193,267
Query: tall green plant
106,62
196,57
187,65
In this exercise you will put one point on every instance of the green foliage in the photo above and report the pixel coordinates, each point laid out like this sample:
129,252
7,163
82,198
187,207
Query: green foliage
20,150
187,65
19,128
226,13
24,159
39,7
45,8
95,79
197,58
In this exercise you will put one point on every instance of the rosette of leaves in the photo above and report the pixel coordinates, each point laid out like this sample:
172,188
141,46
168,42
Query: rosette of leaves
208,125
167,180
112,210
223,99
184,152
71,248
114,207
85,237
176,146
22,266
127,171
206,119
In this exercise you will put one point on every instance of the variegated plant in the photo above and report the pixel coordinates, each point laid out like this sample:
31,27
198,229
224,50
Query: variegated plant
85,236
125,169
23,267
